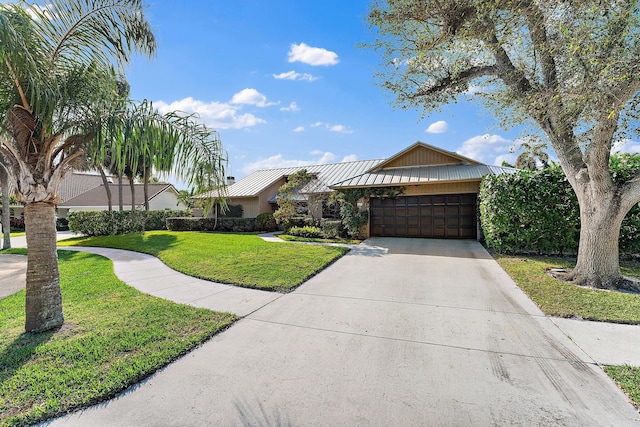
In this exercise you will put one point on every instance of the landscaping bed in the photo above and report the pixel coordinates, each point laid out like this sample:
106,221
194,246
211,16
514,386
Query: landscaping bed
113,337
233,258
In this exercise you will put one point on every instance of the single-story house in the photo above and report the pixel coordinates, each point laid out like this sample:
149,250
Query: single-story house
85,192
439,198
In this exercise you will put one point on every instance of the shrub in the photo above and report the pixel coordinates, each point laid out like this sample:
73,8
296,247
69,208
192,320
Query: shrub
353,219
297,221
306,231
537,211
16,224
102,223
331,228
211,224
62,224
266,222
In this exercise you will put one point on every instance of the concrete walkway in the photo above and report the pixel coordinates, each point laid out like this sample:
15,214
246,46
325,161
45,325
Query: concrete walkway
400,332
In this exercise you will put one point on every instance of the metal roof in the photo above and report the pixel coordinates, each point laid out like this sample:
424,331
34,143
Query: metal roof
98,196
255,183
422,174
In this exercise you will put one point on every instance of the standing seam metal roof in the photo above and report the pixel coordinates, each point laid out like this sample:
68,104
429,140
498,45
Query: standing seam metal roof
422,174
253,184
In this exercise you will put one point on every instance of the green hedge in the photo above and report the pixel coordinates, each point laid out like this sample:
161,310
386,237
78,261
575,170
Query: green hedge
537,211
102,223
212,224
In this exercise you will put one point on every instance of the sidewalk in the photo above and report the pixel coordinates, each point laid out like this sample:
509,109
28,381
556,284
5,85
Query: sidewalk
605,343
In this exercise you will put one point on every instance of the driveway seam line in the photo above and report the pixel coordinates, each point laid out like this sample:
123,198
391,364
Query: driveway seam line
421,342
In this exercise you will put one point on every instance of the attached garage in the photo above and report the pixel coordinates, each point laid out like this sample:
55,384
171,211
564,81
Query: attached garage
446,216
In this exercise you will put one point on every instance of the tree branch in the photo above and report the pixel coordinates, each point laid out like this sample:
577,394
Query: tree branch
450,81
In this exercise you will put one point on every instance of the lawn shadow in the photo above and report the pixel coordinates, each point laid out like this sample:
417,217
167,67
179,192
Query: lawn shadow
19,352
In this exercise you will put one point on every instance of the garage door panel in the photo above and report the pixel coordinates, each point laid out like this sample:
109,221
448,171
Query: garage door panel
450,216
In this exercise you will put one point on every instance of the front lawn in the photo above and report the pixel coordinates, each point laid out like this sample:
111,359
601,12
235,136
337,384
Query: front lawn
239,259
113,337
562,299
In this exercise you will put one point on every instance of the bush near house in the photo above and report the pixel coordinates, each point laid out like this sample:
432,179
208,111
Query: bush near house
306,231
537,211
331,228
104,223
212,224
266,222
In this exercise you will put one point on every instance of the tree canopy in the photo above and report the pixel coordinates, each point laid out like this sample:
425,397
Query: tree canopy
570,68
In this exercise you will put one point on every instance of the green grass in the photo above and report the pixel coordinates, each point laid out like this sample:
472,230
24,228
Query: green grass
113,337
318,240
240,259
628,379
563,299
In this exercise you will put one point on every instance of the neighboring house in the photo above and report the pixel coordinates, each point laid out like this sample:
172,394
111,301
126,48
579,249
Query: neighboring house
439,200
85,192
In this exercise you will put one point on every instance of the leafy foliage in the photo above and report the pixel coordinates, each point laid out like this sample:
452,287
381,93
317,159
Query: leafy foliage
537,211
306,231
104,223
266,222
331,228
211,224
287,195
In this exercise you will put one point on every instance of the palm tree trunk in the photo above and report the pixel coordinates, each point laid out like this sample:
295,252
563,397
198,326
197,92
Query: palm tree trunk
147,175
132,186
6,213
43,299
120,201
107,188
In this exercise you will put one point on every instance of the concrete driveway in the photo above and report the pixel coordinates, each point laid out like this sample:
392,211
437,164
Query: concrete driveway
405,332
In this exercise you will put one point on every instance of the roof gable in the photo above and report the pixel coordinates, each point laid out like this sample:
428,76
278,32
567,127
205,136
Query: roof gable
421,154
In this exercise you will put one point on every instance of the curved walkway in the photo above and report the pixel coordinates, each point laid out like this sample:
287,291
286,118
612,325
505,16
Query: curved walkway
406,332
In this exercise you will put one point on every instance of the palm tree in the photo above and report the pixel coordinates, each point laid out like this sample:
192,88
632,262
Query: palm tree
532,152
56,63
5,190
172,143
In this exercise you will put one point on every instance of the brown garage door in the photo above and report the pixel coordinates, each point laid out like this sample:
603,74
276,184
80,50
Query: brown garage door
449,216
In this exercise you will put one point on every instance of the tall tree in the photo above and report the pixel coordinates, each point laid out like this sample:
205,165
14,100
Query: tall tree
571,68
56,62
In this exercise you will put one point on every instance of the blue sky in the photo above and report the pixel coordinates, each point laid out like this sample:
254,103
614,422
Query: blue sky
285,84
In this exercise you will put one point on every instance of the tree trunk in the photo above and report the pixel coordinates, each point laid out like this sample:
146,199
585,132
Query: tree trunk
43,300
598,263
6,210
107,188
132,186
147,174
120,199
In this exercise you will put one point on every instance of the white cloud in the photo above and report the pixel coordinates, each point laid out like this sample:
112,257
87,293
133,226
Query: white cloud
350,158
489,149
292,75
332,128
214,114
340,129
251,96
312,55
278,161
438,127
299,129
626,146
292,107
